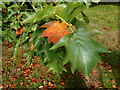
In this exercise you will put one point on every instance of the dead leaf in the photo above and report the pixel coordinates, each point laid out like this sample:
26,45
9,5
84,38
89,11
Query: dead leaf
41,87
12,78
21,84
4,10
110,70
55,31
12,85
34,80
31,46
114,86
20,30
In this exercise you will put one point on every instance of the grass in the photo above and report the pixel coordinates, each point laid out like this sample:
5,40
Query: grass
17,73
102,17
110,76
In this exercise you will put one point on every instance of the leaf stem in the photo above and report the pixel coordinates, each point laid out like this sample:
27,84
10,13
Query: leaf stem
65,22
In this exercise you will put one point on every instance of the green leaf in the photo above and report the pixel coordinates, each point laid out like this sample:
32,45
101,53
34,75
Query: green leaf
40,15
82,6
49,55
31,28
60,9
85,17
38,42
23,38
16,51
53,58
66,10
56,67
78,23
15,25
29,55
2,5
82,51
9,16
75,12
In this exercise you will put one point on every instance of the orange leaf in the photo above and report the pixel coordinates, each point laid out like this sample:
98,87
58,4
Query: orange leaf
55,31
4,10
20,30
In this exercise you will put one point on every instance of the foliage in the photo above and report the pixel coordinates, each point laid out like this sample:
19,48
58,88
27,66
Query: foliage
21,23
55,31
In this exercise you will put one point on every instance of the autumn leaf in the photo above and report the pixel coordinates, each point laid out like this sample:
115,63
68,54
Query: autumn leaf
55,31
20,30
34,80
82,51
4,10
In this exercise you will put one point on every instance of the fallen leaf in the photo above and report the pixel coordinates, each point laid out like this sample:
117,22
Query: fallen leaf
106,28
30,84
12,78
62,83
55,31
113,81
41,87
1,86
109,70
4,10
34,80
31,46
114,86
49,83
21,84
20,30
12,85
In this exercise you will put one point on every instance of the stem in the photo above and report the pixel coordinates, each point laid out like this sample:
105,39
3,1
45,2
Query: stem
66,23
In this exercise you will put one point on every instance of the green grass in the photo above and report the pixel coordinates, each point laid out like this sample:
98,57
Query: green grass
17,73
112,60
101,16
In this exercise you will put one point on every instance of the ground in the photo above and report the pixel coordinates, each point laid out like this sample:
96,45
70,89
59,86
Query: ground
103,17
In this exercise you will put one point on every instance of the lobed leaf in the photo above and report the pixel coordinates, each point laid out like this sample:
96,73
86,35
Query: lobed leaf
55,31
53,58
82,51
40,15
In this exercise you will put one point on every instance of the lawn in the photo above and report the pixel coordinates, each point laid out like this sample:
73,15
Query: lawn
104,17
17,73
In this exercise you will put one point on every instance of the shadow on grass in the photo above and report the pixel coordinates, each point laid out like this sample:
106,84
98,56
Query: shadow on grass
113,60
72,80
105,3
75,81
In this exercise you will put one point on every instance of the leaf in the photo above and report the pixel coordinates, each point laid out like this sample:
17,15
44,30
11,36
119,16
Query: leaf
31,28
56,67
16,51
60,9
20,30
82,6
82,51
40,15
38,42
15,24
53,58
74,13
55,31
78,23
66,11
85,17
